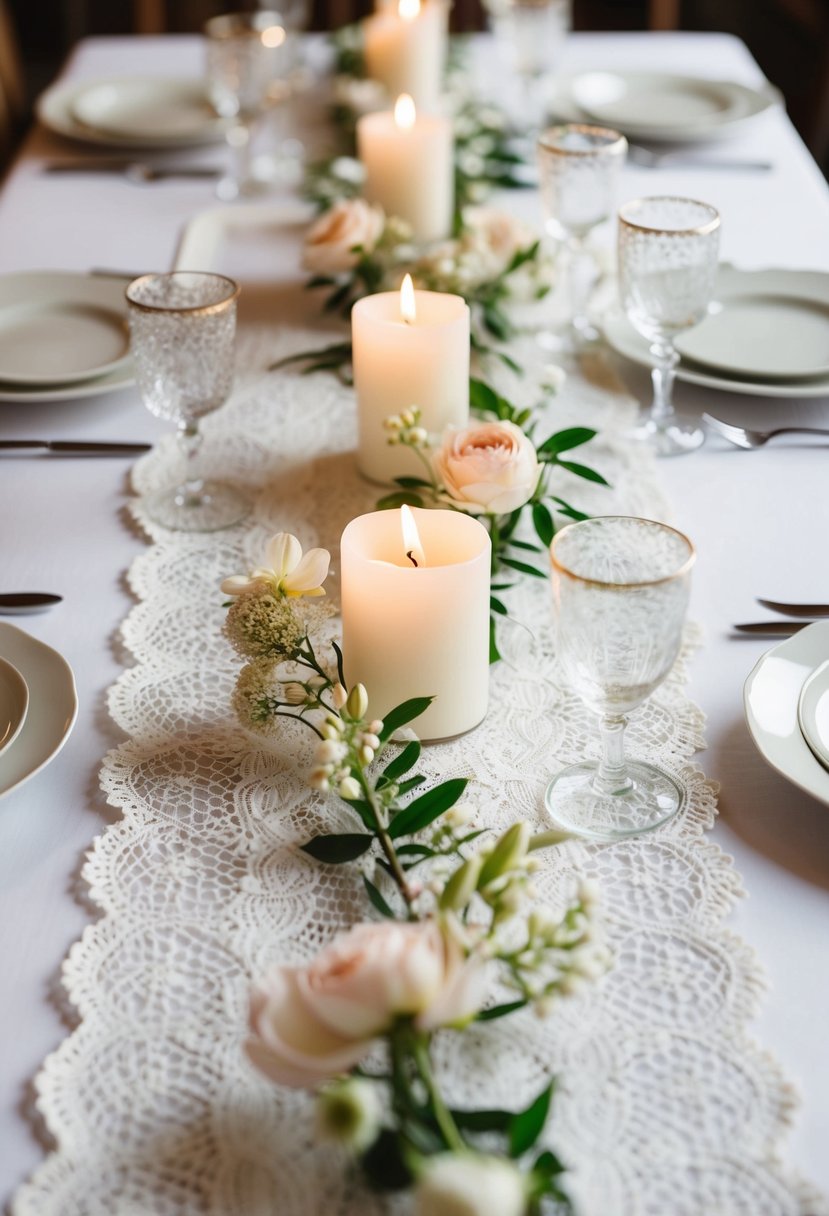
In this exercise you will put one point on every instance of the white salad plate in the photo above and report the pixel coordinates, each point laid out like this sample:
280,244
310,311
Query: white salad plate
53,706
662,106
133,112
761,314
765,324
14,704
771,697
62,335
813,712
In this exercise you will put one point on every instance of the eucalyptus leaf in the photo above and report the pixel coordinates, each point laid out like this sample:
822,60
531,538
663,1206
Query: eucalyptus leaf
543,523
562,441
499,1011
526,1127
403,713
404,761
523,567
377,899
581,470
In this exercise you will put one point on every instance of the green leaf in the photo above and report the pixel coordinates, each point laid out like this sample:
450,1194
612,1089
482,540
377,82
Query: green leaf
425,809
543,523
377,899
494,652
496,323
416,850
365,811
403,762
335,849
399,498
406,787
411,483
384,1164
523,567
525,544
497,606
499,1011
562,441
581,470
320,280
482,397
548,1164
401,714
482,1120
527,1126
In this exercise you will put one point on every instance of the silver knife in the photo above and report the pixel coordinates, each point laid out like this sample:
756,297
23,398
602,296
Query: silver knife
134,170
74,447
795,609
772,629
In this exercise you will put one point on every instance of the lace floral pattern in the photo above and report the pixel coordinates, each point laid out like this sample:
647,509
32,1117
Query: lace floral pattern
664,1104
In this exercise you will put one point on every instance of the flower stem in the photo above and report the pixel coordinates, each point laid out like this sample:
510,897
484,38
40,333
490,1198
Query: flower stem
443,1117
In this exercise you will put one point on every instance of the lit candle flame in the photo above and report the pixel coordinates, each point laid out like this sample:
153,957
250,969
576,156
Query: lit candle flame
408,9
408,308
404,112
273,36
411,537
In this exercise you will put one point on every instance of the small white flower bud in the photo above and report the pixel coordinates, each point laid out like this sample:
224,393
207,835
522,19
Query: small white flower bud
376,727
295,694
419,436
329,732
330,751
408,418
357,702
339,696
349,788
318,780
348,1112
371,740
366,754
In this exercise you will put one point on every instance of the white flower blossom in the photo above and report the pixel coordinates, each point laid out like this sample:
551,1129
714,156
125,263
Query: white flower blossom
288,573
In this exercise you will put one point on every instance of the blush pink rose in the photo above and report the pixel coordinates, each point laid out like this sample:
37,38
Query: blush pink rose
489,468
310,1023
331,242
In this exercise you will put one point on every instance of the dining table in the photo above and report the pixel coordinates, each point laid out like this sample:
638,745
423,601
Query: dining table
759,521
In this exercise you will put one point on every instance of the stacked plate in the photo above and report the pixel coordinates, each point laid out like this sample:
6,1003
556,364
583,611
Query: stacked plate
38,706
767,334
786,700
133,112
62,335
660,107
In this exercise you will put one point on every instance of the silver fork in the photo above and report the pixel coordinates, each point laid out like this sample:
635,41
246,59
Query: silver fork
742,437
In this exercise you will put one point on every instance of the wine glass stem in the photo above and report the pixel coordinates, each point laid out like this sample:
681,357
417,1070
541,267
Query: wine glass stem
191,492
663,376
612,776
579,285
239,138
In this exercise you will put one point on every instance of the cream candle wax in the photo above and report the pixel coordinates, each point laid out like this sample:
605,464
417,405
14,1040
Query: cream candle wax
408,349
418,630
409,167
405,46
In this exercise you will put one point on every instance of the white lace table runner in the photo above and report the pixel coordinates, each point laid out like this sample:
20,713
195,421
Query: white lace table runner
664,1107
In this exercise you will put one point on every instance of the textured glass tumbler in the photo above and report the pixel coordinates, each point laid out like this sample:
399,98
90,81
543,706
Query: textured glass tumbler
621,589
182,329
579,167
668,258
247,69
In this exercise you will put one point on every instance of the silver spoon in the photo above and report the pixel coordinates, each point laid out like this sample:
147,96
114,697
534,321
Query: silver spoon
18,602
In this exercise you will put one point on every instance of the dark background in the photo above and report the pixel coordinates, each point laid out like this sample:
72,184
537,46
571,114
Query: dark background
789,38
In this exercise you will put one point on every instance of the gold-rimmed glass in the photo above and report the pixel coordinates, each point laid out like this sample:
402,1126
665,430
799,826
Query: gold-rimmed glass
248,64
621,587
182,330
579,167
668,259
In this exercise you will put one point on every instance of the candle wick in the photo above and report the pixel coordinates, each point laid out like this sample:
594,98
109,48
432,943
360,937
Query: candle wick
410,555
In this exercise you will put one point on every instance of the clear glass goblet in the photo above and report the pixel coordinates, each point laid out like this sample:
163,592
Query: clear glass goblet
668,258
182,329
531,34
247,70
621,589
579,167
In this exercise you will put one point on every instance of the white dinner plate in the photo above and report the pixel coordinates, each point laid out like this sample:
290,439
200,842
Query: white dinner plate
766,324
744,284
770,698
133,112
14,703
63,335
813,712
660,106
53,706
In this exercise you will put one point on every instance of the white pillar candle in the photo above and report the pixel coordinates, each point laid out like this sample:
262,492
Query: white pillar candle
409,167
405,46
398,363
418,631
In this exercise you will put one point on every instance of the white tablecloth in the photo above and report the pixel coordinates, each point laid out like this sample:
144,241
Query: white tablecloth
758,519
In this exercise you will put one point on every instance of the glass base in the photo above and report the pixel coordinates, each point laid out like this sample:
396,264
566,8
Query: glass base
671,440
574,805
217,506
569,340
